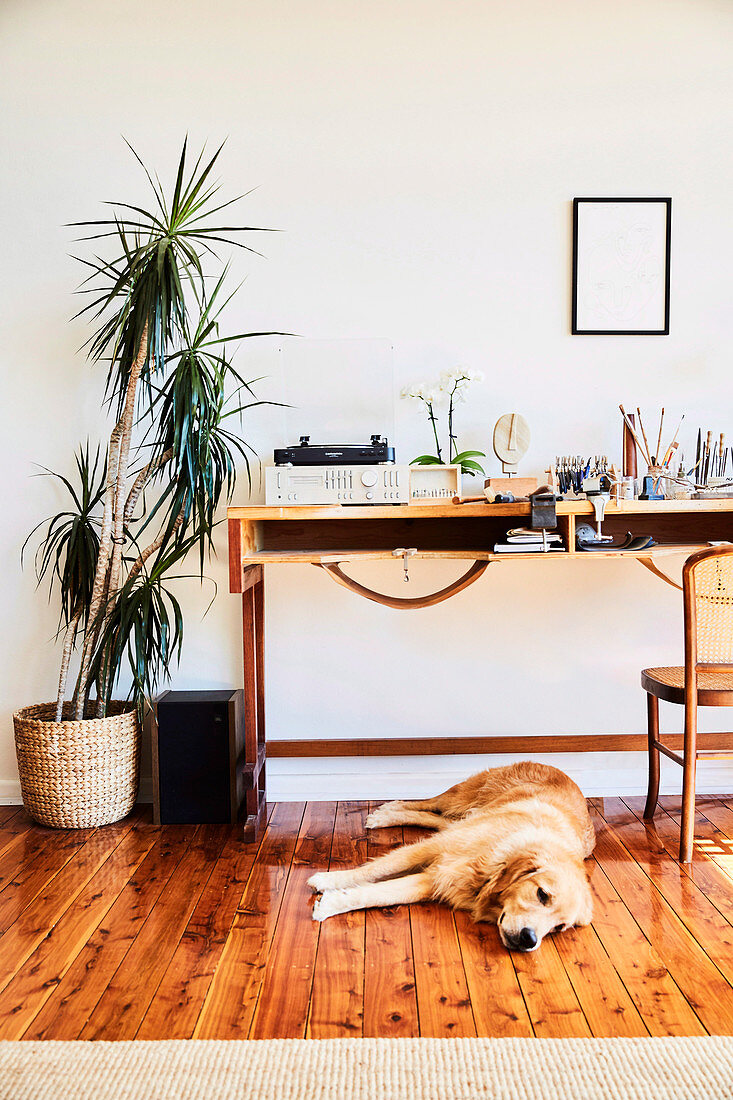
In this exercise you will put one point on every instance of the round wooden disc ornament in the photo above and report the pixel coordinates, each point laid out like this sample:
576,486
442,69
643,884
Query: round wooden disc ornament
511,441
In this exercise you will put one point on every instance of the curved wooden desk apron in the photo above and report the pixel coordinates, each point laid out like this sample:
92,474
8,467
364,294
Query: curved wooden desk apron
401,603
472,574
651,565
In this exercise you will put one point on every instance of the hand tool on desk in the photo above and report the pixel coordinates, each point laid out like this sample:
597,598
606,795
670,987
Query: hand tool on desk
698,452
599,499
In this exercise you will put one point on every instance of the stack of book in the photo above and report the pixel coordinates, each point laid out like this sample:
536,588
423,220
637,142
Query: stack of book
523,540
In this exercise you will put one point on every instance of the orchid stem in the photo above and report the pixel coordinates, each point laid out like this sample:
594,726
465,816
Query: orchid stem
431,414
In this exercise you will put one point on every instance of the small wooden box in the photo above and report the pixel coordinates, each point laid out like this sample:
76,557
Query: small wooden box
518,486
198,742
432,484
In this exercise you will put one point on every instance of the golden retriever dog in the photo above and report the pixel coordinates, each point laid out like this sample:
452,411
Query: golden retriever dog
509,848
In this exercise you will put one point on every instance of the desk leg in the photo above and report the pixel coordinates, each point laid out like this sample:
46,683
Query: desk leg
253,638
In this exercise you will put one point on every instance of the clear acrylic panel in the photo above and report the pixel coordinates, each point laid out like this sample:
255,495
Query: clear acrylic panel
337,391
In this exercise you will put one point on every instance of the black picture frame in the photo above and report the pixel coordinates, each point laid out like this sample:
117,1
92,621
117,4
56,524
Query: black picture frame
585,331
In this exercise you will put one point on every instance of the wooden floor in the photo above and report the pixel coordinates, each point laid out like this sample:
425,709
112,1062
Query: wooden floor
133,931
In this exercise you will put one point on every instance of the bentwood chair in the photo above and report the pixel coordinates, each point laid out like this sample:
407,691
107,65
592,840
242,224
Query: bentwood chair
706,680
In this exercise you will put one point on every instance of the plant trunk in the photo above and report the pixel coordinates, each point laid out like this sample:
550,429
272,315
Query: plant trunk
106,580
101,577
65,659
155,545
128,418
139,483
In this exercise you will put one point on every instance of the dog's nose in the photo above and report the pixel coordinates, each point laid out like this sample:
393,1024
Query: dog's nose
527,939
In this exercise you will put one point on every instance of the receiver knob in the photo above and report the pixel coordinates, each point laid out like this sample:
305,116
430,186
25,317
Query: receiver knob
369,477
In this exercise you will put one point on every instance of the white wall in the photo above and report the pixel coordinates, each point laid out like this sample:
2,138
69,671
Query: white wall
421,158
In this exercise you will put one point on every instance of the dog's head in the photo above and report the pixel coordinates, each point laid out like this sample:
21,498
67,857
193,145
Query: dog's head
531,894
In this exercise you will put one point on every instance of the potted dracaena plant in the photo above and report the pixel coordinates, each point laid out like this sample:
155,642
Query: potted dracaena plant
135,510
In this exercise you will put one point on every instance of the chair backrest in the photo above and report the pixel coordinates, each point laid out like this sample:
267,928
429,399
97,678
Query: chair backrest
707,585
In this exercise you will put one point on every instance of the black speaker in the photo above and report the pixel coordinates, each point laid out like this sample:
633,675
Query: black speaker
197,757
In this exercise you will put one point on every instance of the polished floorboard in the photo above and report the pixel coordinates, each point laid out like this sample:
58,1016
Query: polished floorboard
133,931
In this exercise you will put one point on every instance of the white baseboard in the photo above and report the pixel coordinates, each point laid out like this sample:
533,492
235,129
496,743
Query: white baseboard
327,779
598,775
10,792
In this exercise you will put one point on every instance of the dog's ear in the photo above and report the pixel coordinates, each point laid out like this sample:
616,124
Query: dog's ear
487,904
514,868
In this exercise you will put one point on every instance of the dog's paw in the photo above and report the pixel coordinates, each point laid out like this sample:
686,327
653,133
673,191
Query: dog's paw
382,816
319,882
319,912
330,904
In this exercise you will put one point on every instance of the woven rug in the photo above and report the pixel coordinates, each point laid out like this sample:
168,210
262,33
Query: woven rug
370,1069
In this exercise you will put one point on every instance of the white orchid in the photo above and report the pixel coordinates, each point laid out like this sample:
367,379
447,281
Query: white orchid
452,381
452,384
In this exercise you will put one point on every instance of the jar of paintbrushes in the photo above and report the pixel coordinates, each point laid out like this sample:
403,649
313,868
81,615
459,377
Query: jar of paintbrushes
665,475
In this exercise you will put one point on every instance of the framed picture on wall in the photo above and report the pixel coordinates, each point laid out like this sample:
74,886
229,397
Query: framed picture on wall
621,253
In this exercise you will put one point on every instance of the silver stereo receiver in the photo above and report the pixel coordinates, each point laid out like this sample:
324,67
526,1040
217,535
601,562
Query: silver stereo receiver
343,484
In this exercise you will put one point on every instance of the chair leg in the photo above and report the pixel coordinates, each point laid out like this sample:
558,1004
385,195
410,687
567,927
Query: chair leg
652,712
687,827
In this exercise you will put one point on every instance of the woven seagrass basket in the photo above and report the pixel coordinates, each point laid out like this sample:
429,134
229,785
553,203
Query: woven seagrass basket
77,774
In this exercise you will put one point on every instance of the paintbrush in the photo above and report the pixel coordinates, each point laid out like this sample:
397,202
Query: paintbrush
646,443
659,437
697,452
670,454
678,428
630,426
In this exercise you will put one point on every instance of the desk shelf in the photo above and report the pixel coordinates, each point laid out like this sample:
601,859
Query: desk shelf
445,511
270,535
320,557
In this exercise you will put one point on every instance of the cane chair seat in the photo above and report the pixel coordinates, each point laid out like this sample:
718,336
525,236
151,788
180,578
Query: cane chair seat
714,689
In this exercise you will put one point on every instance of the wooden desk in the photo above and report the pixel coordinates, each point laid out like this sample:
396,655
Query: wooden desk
332,536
